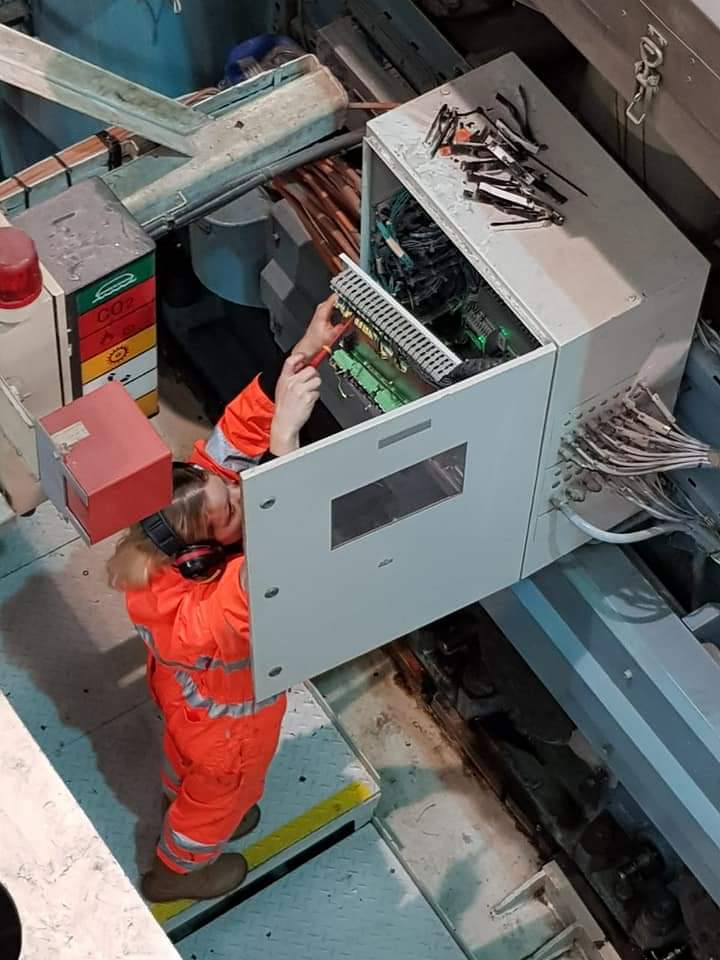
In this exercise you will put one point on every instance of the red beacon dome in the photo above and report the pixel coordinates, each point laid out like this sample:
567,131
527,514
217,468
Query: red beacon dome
20,276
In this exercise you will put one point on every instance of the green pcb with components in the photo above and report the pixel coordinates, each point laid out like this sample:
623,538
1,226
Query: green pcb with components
382,392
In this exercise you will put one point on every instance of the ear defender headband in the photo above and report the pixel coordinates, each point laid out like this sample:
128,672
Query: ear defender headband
193,561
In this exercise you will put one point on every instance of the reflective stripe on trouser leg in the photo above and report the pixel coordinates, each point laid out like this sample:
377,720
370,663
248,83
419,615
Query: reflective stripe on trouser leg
202,817
222,777
170,776
170,792
183,854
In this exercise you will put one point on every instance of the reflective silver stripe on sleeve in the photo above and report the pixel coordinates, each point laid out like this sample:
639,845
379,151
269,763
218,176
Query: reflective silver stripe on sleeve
197,701
202,663
226,455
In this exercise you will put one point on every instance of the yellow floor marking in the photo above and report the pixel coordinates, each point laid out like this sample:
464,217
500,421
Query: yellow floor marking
290,833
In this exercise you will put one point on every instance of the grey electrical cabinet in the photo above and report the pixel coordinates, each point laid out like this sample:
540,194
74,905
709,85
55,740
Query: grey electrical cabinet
407,516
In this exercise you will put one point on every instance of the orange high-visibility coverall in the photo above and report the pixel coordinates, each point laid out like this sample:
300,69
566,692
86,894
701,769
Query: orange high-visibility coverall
218,741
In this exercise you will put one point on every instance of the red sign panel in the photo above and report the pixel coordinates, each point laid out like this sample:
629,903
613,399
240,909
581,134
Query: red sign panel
117,331
116,309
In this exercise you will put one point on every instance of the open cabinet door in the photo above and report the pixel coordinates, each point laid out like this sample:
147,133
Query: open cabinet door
369,534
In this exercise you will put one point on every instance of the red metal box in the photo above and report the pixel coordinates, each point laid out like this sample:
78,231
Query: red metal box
102,463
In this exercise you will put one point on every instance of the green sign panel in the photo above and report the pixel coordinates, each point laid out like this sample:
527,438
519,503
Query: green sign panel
114,284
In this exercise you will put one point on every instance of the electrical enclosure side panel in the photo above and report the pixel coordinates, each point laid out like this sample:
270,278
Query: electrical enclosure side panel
369,534
649,343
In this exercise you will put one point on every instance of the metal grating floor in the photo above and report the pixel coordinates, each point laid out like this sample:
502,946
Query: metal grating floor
74,673
354,902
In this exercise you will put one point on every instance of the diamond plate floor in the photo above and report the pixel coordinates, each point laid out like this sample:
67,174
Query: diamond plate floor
74,672
353,902
69,660
114,775
25,539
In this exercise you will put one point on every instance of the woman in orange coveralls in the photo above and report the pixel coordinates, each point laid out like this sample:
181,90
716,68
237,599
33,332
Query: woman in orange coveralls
183,573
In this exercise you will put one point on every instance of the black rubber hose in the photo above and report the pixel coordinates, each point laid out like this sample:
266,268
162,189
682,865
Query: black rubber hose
338,144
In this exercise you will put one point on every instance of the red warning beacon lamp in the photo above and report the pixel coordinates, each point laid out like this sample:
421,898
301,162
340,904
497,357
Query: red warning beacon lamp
20,276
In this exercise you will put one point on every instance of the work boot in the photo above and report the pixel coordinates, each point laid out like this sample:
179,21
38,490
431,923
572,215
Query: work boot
162,885
248,823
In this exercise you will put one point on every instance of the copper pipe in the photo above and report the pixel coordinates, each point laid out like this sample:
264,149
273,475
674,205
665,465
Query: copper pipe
338,218
326,224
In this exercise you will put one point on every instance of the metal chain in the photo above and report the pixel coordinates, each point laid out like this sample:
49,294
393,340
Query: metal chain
647,77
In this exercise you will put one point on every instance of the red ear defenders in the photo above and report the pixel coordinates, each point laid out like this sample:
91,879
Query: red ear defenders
193,561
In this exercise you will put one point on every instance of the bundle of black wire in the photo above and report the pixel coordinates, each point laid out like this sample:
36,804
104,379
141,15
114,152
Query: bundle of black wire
430,279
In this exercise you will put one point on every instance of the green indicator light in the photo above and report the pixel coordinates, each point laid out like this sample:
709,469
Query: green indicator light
478,340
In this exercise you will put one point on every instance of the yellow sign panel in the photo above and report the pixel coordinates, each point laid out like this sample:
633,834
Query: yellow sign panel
149,403
122,352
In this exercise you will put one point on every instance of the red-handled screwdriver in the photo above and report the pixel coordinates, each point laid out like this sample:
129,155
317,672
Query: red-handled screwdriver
338,334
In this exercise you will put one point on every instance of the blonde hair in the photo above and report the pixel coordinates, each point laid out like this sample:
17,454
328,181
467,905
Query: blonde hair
136,559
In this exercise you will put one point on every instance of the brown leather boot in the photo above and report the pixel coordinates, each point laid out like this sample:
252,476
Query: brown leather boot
162,885
248,823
